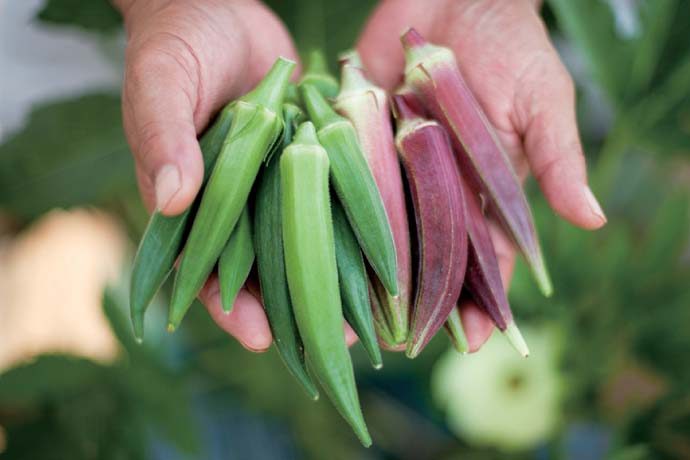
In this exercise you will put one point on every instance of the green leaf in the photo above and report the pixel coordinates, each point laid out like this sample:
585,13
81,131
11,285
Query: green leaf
591,27
322,24
92,15
70,152
656,18
46,378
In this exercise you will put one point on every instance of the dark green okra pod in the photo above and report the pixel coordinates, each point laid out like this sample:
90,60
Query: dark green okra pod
257,124
355,186
163,238
235,261
270,262
354,284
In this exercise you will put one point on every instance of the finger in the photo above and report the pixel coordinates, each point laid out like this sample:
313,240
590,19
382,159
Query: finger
246,322
379,43
553,147
159,98
476,323
350,335
505,252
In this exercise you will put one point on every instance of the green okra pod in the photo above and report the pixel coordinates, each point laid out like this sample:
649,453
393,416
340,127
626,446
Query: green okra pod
256,126
235,261
366,106
163,238
270,262
355,186
354,285
312,272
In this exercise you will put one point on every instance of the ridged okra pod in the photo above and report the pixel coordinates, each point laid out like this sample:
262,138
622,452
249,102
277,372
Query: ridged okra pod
433,73
366,106
483,279
312,272
434,182
355,186
354,284
235,261
163,238
257,123
270,262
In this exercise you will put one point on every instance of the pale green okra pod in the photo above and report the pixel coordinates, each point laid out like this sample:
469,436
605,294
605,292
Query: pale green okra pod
256,126
312,273
355,186
235,261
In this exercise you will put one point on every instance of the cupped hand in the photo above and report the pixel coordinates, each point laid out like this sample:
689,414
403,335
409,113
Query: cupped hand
184,61
505,54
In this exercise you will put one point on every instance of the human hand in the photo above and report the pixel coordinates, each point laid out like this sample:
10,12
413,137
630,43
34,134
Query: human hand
505,54
184,61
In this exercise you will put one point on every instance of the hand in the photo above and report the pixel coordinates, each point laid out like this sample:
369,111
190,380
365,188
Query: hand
504,52
184,61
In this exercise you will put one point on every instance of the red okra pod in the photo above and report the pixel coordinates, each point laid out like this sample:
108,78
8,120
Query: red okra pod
432,72
437,198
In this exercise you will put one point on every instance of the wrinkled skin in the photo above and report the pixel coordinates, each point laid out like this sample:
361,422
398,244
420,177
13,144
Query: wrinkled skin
185,59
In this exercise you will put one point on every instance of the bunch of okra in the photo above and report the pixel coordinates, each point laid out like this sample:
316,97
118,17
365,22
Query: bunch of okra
328,222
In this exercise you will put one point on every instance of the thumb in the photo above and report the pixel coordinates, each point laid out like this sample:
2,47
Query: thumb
554,151
159,99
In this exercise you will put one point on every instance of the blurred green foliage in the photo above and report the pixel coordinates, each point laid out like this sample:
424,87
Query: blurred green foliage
621,297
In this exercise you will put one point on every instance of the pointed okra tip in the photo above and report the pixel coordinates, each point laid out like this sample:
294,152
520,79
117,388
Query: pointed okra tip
138,329
514,336
271,90
541,275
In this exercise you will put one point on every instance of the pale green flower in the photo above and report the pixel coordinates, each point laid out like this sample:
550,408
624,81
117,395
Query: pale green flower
497,398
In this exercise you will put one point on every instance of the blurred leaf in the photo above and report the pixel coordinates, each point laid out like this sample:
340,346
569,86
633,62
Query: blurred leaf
70,152
638,452
46,378
331,26
590,25
656,18
92,15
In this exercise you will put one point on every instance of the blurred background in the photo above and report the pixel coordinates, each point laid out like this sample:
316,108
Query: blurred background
609,373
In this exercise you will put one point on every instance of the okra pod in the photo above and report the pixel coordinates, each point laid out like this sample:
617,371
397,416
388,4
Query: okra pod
483,278
270,262
366,106
433,73
163,238
312,273
256,126
235,261
354,285
355,186
433,179
456,332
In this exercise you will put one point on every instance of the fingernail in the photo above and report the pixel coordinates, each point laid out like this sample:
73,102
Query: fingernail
594,205
258,342
167,185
